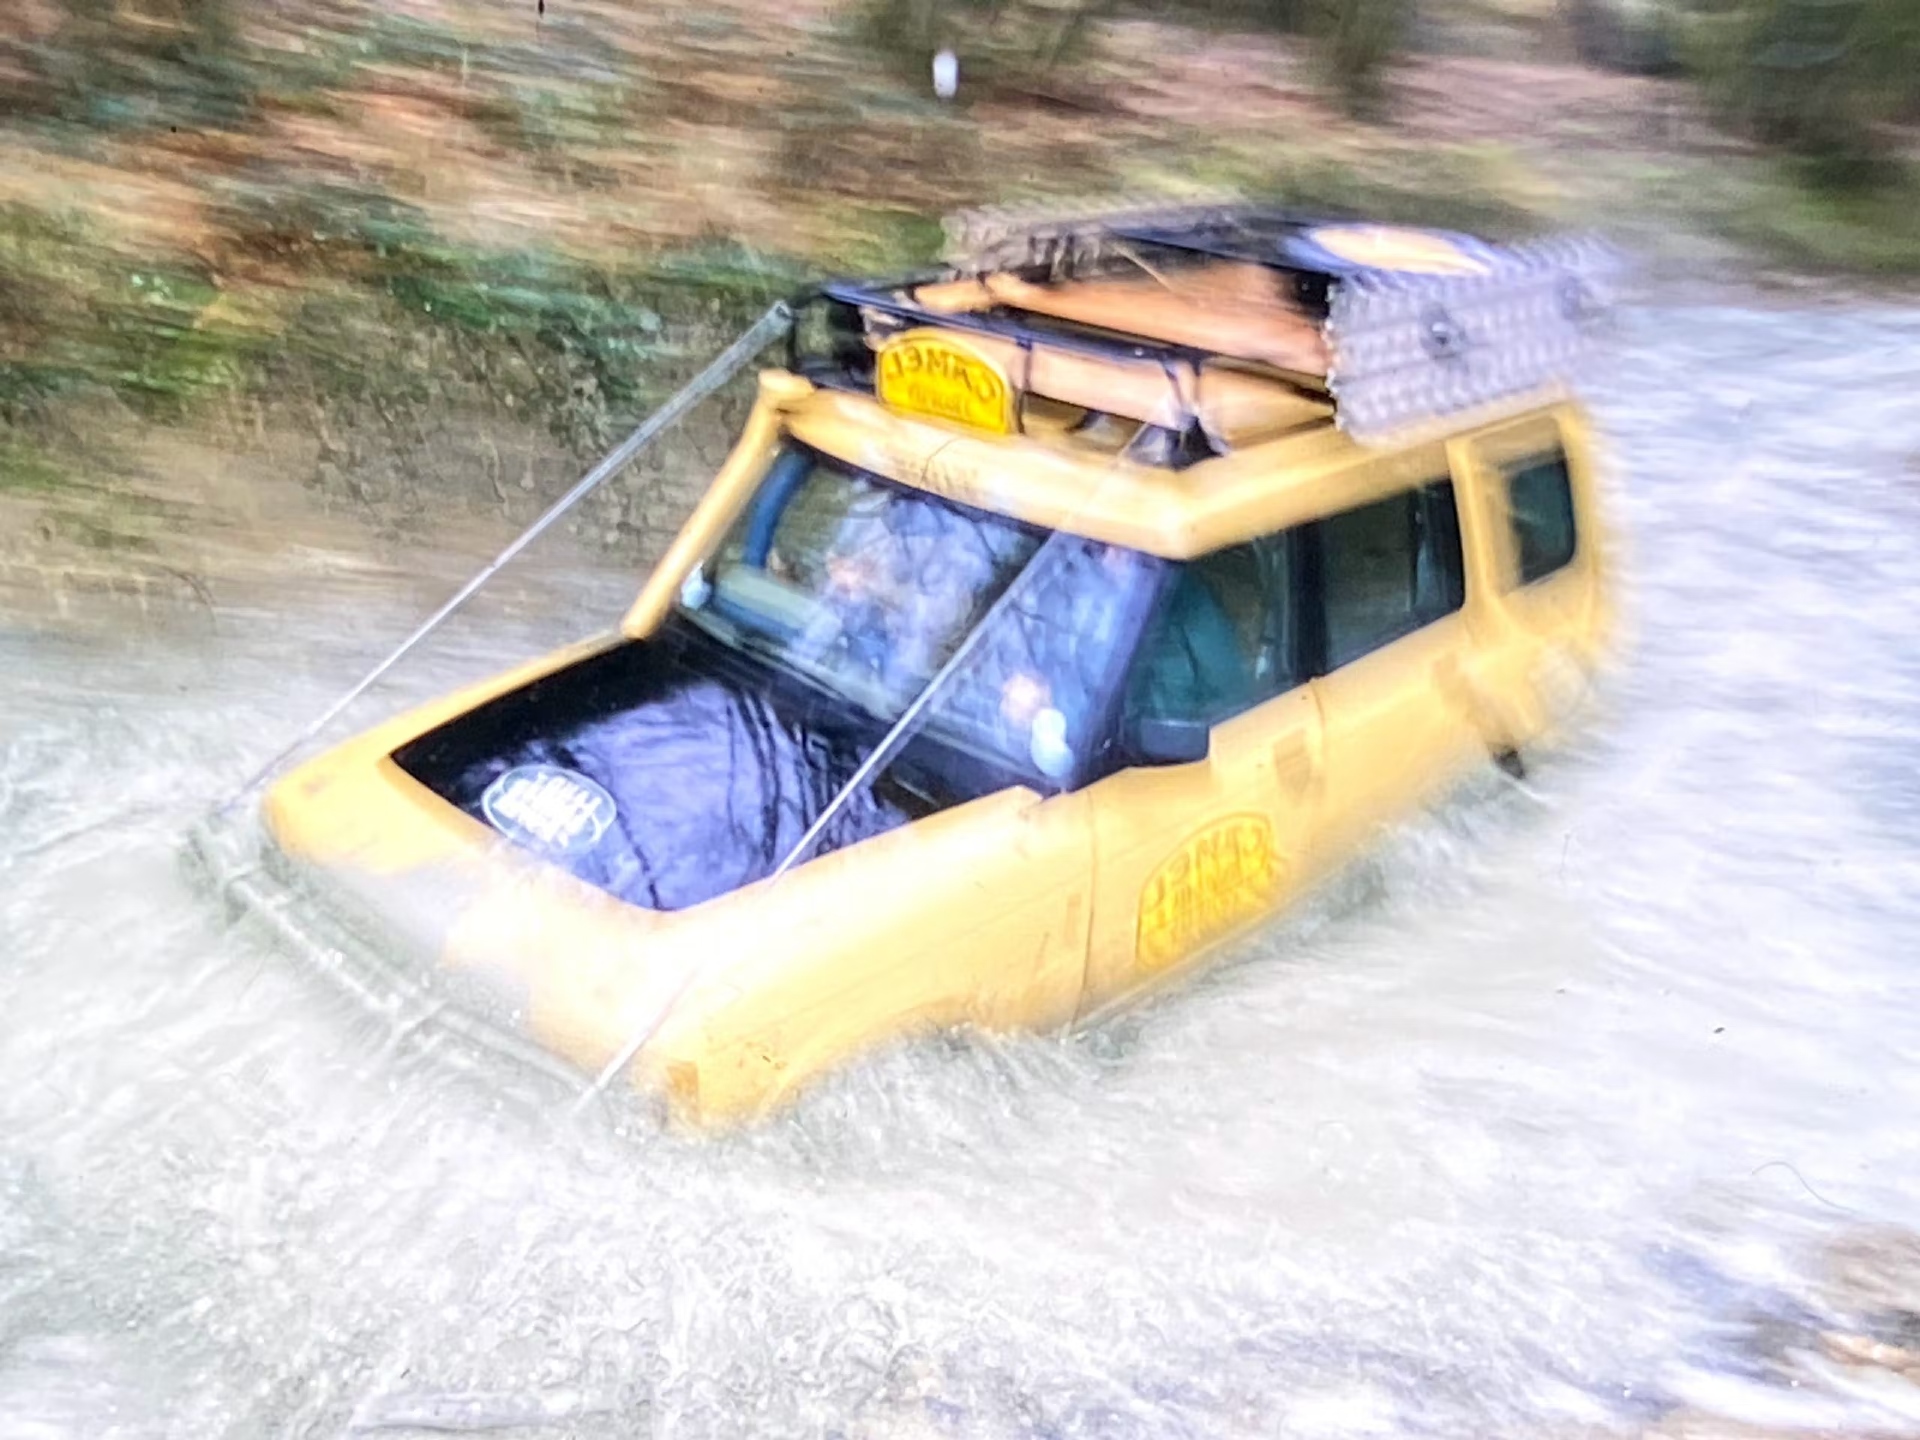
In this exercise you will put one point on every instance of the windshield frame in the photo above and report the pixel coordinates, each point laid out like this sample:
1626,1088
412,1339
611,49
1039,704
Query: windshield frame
1093,757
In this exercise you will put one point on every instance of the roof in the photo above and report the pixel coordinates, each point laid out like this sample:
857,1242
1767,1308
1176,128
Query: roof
1180,513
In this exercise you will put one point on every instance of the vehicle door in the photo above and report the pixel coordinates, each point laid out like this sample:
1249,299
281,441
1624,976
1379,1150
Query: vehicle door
1544,564
1203,835
1394,638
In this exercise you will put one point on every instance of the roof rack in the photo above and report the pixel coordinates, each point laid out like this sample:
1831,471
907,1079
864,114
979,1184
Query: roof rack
1032,239
1419,324
1410,350
1398,327
869,314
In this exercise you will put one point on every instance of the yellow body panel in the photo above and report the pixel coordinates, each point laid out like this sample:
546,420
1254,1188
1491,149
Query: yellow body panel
1013,911
1189,856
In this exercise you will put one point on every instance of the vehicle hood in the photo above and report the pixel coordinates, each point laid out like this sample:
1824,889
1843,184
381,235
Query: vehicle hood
661,771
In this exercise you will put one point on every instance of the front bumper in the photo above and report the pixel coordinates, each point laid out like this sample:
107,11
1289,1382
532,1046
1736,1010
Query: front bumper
233,860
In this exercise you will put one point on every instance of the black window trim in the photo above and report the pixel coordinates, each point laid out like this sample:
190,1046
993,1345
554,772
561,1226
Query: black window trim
1510,467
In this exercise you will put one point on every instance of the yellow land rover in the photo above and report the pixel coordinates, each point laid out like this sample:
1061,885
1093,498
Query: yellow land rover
1058,618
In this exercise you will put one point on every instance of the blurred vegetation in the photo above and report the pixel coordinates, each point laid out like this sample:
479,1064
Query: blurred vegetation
110,67
392,313
1027,46
1356,40
366,223
1828,80
1006,44
1635,37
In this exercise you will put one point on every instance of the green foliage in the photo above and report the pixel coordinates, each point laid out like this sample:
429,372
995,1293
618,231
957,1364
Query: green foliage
1822,78
1464,188
1355,41
889,242
1285,16
544,338
1453,189
78,314
272,285
388,314
1009,44
26,467
1768,207
115,65
1002,44
1631,36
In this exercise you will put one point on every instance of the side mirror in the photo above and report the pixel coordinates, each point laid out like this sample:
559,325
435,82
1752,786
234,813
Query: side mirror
1155,741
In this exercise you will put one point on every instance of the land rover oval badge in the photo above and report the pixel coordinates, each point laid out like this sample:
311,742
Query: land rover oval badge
547,808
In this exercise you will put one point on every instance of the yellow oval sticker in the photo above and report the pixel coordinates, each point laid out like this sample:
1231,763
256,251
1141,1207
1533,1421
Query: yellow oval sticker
1223,878
926,372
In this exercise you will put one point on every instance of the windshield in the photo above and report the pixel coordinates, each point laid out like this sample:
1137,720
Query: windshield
867,588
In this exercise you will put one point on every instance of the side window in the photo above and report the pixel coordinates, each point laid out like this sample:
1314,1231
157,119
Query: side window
1223,638
1540,501
1041,678
1388,568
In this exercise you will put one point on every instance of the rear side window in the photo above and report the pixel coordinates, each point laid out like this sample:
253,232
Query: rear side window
1388,568
1540,501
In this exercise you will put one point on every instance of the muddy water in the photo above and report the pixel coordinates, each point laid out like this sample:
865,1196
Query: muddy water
1544,1119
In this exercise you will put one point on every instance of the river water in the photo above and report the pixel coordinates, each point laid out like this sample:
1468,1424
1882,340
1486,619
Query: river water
1582,1103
